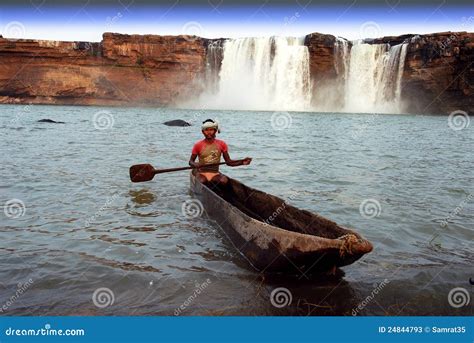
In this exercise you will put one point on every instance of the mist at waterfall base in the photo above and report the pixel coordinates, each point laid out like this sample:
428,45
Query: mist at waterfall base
273,74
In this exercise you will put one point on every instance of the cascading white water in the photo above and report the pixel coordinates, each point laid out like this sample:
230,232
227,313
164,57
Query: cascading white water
273,74
401,66
365,71
262,74
375,75
342,57
213,65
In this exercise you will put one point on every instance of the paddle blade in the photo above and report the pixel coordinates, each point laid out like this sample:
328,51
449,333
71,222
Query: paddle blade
142,172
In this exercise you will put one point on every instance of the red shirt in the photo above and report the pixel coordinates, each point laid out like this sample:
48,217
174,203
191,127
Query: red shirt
209,153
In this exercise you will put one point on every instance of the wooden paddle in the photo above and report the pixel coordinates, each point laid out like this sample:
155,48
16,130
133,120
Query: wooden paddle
146,172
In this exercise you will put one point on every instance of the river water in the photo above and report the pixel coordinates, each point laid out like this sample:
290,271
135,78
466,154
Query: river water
85,227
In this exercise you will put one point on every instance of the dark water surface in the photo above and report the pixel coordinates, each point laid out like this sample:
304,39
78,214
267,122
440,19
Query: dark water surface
85,226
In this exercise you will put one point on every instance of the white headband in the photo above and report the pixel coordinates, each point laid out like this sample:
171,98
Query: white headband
211,125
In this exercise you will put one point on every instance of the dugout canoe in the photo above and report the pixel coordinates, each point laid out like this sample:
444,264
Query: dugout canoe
274,236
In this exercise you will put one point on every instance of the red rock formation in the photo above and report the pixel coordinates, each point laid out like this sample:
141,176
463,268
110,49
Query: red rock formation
439,73
121,70
328,85
321,56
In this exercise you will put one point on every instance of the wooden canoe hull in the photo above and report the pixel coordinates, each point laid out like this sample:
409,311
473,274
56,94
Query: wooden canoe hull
272,249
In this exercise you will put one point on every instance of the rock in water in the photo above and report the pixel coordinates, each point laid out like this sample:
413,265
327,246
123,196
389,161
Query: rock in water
50,121
177,122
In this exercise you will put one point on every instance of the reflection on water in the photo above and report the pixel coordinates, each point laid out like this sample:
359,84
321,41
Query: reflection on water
142,197
86,226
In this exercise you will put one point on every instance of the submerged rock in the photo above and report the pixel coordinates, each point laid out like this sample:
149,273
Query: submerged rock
177,122
50,121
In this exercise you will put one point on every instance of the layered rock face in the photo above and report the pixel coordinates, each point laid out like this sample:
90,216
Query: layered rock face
327,79
321,56
121,70
438,75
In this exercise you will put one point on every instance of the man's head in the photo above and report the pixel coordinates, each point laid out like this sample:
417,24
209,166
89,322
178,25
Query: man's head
209,128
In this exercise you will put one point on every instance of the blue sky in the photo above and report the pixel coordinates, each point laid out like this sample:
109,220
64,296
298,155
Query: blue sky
214,19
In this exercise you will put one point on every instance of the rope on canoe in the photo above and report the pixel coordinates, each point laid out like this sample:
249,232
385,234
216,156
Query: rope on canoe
348,241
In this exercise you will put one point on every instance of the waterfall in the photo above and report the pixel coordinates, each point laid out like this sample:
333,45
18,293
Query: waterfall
268,73
401,66
375,75
273,74
342,57
214,57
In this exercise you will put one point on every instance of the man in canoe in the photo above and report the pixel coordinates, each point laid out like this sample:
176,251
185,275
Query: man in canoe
210,150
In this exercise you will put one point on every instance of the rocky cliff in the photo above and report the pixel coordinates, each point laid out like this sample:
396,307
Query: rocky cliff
321,56
120,70
153,70
439,73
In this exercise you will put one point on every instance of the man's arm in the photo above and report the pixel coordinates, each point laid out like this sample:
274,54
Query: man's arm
192,161
230,162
